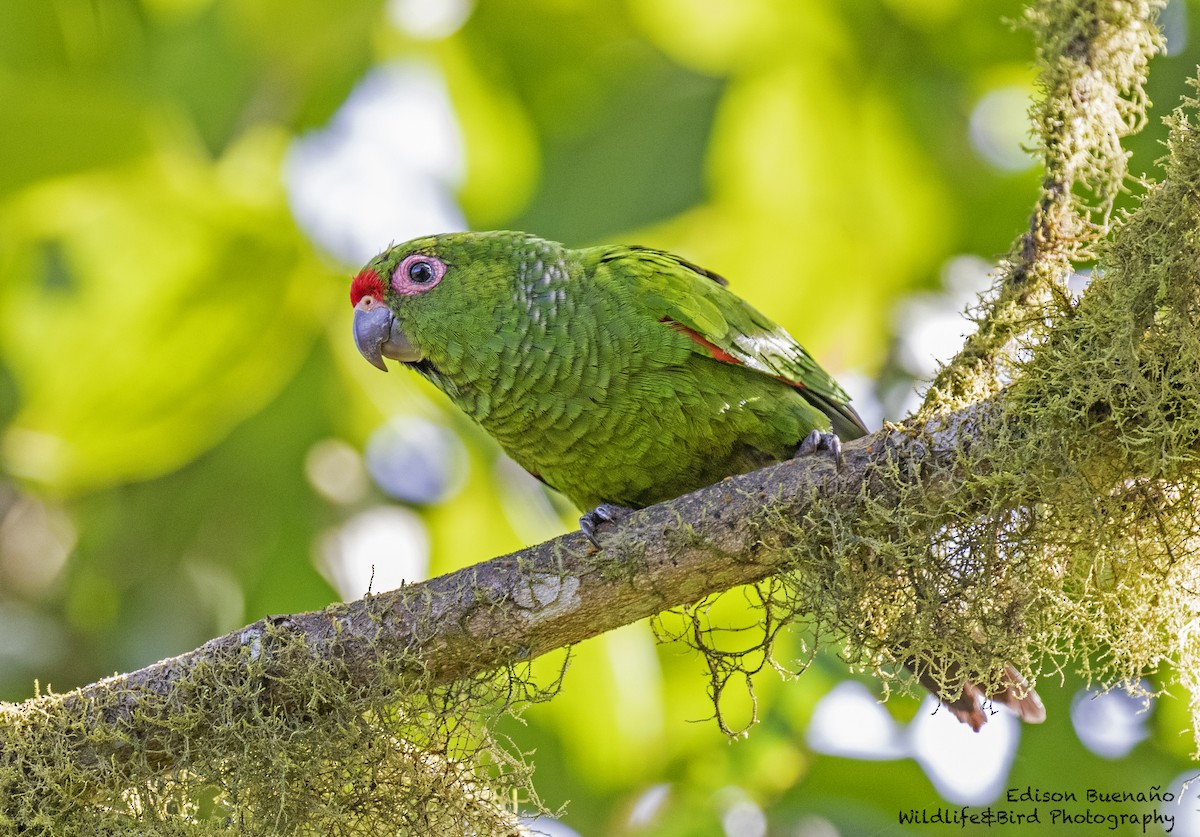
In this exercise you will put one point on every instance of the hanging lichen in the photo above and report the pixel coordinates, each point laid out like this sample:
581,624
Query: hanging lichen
1049,523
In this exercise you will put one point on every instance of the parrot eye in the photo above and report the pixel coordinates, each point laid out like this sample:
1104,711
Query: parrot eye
420,272
417,274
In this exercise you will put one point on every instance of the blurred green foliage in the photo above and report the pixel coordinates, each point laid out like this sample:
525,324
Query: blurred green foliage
173,346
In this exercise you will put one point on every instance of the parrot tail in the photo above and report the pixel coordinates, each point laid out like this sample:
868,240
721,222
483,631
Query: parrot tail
846,422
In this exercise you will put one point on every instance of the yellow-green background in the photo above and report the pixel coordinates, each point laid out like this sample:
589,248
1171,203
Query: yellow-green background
172,345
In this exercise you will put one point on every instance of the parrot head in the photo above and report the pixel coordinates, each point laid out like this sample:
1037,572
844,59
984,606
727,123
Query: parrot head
378,332
453,289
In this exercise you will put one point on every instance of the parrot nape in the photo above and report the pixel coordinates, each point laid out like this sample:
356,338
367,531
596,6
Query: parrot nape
619,376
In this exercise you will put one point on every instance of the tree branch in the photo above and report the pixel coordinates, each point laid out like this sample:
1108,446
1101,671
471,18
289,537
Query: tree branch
519,606
1094,57
933,532
1057,516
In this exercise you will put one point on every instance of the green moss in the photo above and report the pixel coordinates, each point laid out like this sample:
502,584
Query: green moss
1093,57
226,757
1074,541
1075,538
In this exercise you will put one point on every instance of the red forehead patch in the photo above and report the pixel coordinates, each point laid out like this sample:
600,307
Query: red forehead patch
366,283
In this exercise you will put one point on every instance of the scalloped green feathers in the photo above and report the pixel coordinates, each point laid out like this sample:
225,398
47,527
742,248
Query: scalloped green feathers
725,322
614,374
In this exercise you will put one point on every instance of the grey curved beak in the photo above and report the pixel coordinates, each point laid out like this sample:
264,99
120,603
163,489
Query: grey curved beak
378,335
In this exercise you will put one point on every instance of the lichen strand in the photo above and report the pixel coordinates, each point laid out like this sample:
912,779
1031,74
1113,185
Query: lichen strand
1073,539
271,740
1071,534
1092,57
1124,369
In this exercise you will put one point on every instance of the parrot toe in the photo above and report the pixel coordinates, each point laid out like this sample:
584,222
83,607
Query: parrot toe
603,513
818,441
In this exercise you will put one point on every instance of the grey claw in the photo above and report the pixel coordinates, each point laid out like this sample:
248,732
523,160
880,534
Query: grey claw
603,513
819,440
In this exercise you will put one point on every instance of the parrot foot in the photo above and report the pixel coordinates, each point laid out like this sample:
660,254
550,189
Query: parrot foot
603,513
818,441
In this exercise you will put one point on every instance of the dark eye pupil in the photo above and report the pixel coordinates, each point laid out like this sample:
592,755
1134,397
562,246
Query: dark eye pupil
420,272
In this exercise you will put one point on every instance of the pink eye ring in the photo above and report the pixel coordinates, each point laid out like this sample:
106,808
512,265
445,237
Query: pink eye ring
417,274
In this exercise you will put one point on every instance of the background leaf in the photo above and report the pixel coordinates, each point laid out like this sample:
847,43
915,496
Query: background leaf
183,416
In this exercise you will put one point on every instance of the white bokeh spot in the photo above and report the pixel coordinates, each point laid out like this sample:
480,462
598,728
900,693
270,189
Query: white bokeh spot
849,721
384,170
945,747
374,551
429,20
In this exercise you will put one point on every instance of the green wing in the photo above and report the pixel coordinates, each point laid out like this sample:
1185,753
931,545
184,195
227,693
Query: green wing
723,326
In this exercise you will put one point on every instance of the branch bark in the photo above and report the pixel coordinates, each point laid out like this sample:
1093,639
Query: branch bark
522,605
1094,60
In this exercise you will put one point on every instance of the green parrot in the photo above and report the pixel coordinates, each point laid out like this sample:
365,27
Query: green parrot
619,376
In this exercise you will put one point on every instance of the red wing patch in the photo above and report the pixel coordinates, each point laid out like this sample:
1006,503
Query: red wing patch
716,351
366,283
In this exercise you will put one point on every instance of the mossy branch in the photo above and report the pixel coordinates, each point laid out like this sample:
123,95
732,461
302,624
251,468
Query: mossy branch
1056,518
1093,57
474,621
1054,522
